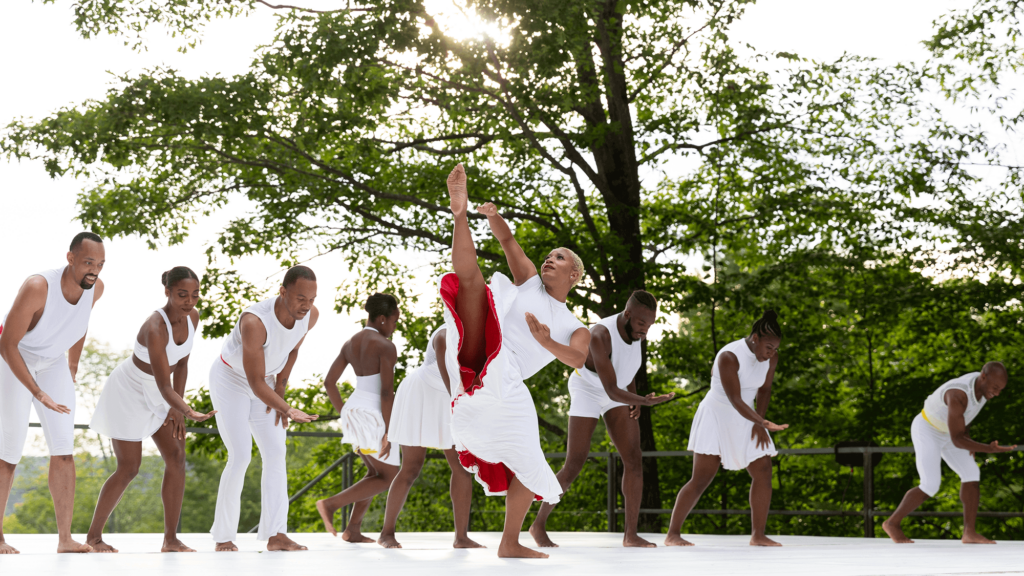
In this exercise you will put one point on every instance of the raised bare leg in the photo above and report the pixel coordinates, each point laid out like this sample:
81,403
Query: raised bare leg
625,434
378,479
129,458
581,430
412,464
911,500
172,491
471,301
517,504
970,494
6,482
705,466
760,471
461,491
62,490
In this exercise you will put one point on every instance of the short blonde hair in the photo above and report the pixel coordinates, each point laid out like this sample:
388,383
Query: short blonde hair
577,265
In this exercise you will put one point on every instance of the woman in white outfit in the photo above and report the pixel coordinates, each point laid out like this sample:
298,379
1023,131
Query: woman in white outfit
366,415
729,430
139,400
498,336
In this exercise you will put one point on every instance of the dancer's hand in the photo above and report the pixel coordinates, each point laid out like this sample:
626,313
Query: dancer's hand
198,416
457,190
997,449
772,427
541,333
634,412
298,416
653,399
760,435
45,400
488,209
177,424
385,447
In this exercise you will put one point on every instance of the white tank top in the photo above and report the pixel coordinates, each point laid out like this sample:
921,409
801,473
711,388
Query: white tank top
752,373
527,353
62,324
431,356
280,340
174,352
625,358
936,411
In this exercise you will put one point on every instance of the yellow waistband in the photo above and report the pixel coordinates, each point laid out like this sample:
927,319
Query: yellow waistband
930,423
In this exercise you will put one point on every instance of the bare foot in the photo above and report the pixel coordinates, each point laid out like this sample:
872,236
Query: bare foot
175,545
457,190
975,538
540,536
466,542
355,537
763,541
676,540
72,547
894,532
6,548
225,547
635,541
388,541
98,545
327,517
282,543
517,550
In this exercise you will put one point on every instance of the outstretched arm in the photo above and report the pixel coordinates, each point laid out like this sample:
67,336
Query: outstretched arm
764,393
254,334
518,262
574,355
31,299
600,358
957,402
331,380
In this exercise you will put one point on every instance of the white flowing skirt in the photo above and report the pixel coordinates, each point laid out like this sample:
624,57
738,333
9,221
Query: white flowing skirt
131,407
362,426
494,423
422,413
719,430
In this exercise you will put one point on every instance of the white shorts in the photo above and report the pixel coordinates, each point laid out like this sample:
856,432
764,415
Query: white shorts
54,377
587,400
931,447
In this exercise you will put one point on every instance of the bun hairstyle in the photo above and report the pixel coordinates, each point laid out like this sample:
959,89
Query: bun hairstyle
380,305
177,274
767,325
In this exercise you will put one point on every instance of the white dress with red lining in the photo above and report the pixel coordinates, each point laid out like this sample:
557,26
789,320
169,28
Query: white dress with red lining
494,424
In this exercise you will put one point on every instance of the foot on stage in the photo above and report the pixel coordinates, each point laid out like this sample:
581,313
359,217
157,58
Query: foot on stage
763,541
175,545
327,517
517,550
99,546
676,540
282,543
975,538
226,547
540,536
6,548
354,536
466,542
897,535
388,541
635,541
69,546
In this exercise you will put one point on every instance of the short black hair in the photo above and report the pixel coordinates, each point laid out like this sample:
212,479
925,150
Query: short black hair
768,325
381,305
645,299
83,236
177,274
995,368
295,272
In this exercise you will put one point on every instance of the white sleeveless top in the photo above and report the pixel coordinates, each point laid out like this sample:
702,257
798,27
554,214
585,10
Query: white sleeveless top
527,353
936,412
751,373
431,356
174,352
279,344
626,358
62,324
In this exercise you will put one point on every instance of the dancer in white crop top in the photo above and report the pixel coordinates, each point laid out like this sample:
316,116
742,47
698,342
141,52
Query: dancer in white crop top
940,432
366,415
247,383
140,401
49,318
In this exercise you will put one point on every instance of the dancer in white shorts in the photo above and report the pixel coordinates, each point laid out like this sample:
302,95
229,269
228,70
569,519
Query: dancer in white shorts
498,336
606,386
366,415
139,401
247,382
49,317
940,433
421,419
728,431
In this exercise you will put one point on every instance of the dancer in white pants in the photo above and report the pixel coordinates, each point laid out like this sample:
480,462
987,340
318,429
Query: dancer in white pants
247,382
940,433
606,387
139,401
366,415
49,317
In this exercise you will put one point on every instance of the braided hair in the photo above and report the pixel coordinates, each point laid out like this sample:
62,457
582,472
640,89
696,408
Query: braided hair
767,325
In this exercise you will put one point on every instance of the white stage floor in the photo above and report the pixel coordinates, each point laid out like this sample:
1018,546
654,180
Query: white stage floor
581,553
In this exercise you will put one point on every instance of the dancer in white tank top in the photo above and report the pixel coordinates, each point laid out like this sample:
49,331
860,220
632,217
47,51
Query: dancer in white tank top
421,419
140,401
247,382
366,415
730,430
49,317
940,432
498,336
606,386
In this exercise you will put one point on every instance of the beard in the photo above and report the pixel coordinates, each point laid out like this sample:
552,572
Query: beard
86,285
629,331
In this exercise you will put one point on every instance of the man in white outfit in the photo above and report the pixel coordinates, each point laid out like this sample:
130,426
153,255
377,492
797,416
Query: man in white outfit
49,318
940,433
247,381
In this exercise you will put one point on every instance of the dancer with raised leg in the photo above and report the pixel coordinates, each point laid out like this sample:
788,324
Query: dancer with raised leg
606,387
730,430
247,382
421,419
498,335
940,432
367,414
139,401
49,318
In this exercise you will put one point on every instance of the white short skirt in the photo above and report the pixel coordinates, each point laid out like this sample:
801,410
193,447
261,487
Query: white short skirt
422,413
131,407
719,430
362,426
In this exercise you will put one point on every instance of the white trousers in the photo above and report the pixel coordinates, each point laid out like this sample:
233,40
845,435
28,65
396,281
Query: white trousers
54,377
931,447
240,418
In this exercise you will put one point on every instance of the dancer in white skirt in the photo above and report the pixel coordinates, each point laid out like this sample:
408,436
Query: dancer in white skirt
367,413
421,419
49,318
498,336
247,382
728,431
606,387
940,432
139,401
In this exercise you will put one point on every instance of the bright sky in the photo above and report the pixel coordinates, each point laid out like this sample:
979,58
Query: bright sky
47,66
